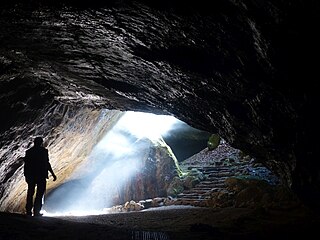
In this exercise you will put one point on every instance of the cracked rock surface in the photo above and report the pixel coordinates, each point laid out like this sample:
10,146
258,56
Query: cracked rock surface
241,69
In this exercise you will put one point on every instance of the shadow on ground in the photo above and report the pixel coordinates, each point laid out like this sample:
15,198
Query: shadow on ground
176,222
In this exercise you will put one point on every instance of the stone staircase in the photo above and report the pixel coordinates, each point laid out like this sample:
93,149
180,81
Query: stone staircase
214,181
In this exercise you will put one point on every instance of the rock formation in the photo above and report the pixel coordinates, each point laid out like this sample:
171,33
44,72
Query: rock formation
242,69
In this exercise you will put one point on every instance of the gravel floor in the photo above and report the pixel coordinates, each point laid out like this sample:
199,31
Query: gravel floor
176,222
164,223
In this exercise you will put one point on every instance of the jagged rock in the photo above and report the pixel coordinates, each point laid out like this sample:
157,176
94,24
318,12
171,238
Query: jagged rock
259,193
132,206
147,203
230,68
220,199
190,181
158,201
175,187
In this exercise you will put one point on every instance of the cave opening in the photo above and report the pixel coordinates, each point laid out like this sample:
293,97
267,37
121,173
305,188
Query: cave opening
125,163
110,161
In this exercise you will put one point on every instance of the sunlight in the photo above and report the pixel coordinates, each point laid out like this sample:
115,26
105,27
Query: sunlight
71,213
110,166
147,124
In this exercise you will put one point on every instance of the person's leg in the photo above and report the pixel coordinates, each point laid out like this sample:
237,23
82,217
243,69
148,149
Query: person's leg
41,188
30,193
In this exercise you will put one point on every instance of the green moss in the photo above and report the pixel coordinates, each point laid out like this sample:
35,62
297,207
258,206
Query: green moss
213,142
171,154
175,187
252,180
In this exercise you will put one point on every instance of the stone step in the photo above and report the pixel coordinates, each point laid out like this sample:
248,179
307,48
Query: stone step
220,175
224,174
197,191
214,170
213,180
195,204
220,185
198,197
192,202
222,168
233,170
234,167
216,179
192,194
202,189
210,182
202,196
206,182
191,199
201,186
204,169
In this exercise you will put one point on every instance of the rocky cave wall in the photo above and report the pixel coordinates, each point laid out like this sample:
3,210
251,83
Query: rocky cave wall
70,134
243,69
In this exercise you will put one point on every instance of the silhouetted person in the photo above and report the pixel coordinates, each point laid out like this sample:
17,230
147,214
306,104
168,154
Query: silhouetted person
36,169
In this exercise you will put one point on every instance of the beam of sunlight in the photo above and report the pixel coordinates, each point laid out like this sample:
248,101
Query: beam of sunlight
110,166
147,124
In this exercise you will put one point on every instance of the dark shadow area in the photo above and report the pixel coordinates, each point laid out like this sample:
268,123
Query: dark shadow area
185,141
170,223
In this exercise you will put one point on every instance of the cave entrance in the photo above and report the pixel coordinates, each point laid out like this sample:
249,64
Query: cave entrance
136,157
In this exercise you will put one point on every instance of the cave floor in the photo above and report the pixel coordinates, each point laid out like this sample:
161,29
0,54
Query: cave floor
172,222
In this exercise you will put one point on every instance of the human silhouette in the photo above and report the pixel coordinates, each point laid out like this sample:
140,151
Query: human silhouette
36,167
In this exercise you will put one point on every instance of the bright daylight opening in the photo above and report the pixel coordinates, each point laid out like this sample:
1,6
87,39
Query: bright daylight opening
110,165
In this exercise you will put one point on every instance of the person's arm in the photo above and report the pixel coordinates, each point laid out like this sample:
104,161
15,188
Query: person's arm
49,167
51,171
26,167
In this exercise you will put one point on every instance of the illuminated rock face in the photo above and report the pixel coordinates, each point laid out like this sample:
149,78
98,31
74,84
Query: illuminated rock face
107,181
123,165
153,177
70,134
235,68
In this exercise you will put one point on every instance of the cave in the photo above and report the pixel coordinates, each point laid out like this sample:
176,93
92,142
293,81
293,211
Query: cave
234,81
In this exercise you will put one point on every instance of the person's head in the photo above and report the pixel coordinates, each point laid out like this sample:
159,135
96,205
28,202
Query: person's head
38,141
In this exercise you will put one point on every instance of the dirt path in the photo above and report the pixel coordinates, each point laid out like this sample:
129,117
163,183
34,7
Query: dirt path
165,223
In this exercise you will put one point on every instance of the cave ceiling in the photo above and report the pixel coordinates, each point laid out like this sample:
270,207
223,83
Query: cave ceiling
236,68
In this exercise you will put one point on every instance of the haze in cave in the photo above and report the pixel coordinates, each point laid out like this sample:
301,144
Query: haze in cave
242,161
112,163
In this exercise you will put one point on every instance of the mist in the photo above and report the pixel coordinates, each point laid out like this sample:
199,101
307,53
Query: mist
112,163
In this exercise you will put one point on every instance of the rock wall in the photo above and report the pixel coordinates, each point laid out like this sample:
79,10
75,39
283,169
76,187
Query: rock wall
70,133
152,180
243,69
